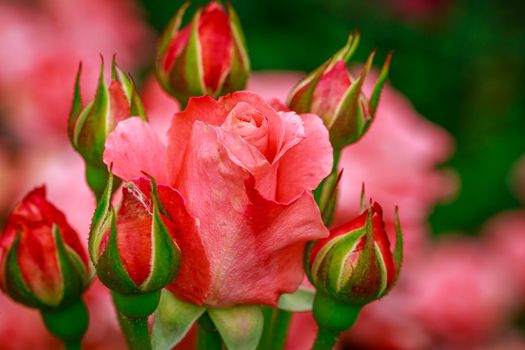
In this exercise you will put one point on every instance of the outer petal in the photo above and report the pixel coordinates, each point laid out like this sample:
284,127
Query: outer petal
134,147
330,90
134,222
216,45
194,278
202,108
305,165
255,246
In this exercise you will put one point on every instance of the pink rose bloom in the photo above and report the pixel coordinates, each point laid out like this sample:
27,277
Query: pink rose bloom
42,47
246,172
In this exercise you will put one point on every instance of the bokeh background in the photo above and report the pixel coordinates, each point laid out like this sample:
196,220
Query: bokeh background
460,140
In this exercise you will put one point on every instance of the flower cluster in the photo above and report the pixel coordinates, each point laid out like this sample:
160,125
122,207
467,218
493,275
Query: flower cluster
220,217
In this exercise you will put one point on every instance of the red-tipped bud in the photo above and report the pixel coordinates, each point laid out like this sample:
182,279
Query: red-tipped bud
355,265
207,57
43,263
133,248
336,96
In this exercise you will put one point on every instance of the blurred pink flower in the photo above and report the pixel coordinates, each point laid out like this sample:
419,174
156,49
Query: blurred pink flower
42,47
396,160
459,294
417,8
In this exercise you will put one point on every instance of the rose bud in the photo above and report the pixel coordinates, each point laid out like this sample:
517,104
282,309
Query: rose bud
354,265
207,57
132,249
44,265
336,96
89,125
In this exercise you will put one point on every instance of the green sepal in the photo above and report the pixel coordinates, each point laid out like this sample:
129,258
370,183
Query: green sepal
237,77
91,128
334,270
186,77
164,43
240,327
110,269
173,320
348,123
380,83
398,249
166,255
365,280
14,284
300,301
101,220
130,90
75,277
328,197
76,107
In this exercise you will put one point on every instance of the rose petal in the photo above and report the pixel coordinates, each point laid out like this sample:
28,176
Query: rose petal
255,246
134,147
216,44
202,108
305,165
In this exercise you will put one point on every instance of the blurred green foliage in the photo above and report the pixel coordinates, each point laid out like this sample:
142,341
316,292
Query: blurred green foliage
462,66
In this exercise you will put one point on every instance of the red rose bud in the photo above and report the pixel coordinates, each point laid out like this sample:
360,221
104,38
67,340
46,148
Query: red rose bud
44,265
90,125
207,57
336,96
132,248
354,265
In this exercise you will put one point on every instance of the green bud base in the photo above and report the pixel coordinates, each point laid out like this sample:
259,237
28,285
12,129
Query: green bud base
133,312
68,323
332,317
97,177
138,305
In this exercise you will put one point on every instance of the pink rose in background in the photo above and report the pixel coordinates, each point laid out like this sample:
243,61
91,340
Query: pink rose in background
41,50
459,294
246,172
396,160
417,8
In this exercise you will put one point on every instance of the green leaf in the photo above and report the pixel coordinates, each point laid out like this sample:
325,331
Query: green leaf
240,326
300,301
173,319
193,69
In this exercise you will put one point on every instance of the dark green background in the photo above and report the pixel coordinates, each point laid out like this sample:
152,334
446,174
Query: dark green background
462,67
